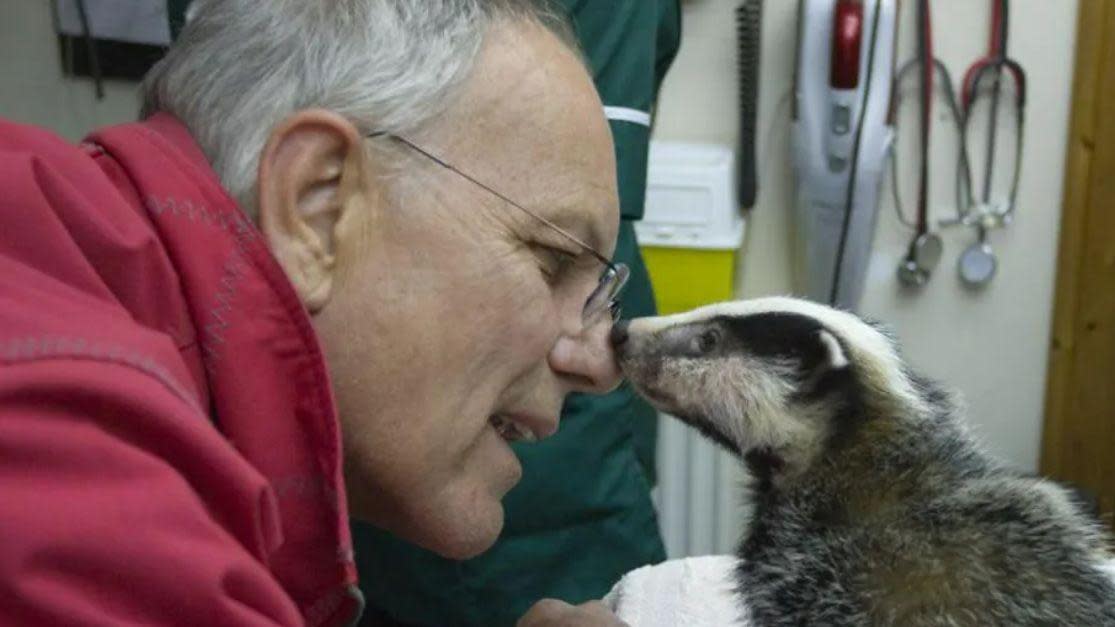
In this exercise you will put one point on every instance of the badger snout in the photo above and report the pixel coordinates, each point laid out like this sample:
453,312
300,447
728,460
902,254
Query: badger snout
667,363
619,335
640,358
628,344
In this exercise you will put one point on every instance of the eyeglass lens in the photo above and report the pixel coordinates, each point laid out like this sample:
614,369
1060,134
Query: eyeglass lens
603,298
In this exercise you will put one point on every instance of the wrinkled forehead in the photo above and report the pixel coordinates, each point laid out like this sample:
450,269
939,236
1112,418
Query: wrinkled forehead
529,122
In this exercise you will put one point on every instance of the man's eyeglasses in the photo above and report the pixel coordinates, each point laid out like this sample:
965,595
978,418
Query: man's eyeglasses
603,298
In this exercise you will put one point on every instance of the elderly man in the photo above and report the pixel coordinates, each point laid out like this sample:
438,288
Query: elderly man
567,535
383,219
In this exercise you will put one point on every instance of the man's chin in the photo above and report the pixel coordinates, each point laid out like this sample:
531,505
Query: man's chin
468,535
466,526
454,531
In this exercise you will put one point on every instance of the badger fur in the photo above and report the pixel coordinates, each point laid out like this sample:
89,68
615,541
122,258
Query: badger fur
872,503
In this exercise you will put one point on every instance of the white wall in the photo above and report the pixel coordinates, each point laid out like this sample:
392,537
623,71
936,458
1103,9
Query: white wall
991,345
32,88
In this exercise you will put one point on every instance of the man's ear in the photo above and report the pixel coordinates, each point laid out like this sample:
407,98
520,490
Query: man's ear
835,359
310,173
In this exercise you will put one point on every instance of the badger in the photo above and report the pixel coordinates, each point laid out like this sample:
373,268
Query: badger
872,502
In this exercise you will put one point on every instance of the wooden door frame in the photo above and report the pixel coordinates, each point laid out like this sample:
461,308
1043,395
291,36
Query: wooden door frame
1078,441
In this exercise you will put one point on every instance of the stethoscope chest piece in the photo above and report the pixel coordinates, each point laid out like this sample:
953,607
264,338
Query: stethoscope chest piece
910,275
927,251
924,255
977,265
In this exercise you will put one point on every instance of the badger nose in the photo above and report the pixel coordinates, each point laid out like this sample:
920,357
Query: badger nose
618,335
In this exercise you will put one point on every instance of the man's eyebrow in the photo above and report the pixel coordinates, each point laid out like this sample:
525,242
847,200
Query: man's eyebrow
569,216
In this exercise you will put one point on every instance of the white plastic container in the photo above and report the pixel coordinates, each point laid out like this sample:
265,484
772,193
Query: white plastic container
692,225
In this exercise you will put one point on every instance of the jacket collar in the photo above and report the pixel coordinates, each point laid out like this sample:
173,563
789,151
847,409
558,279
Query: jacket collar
263,366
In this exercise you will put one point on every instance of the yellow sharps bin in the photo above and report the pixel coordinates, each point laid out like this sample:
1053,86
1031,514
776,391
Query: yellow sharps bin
692,229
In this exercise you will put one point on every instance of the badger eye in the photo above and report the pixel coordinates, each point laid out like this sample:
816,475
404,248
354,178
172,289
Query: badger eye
708,340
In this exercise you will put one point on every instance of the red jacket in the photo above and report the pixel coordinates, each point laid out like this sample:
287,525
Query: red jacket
169,447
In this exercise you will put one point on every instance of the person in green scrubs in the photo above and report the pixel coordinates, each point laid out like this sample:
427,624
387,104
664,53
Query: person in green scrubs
582,516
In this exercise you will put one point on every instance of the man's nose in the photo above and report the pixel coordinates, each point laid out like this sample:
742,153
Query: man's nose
586,360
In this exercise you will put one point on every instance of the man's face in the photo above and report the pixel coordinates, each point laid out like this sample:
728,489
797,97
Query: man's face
452,306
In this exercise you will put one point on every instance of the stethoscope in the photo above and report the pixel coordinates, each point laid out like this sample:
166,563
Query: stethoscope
978,264
924,251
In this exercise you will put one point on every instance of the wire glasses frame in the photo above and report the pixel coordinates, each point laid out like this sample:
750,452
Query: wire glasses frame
604,297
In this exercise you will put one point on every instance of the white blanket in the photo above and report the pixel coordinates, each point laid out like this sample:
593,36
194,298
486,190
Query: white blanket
695,591
690,592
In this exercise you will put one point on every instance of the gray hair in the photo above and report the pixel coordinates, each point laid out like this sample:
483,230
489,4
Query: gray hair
241,66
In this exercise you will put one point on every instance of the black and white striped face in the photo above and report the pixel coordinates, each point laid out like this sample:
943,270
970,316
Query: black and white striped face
751,374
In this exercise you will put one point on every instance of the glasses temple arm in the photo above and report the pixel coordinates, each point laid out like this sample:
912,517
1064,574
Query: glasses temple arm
601,258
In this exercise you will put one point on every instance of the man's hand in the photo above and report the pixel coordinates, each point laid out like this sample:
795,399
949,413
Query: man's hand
554,613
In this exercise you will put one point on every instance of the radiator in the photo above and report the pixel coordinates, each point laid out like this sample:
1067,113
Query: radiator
700,493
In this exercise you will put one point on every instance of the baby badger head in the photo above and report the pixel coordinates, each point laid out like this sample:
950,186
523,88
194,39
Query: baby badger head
776,378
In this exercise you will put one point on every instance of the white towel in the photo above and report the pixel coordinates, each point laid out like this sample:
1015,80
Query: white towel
695,592
690,592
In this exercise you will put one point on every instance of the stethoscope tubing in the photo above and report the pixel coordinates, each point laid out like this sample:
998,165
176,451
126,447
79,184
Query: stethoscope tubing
992,66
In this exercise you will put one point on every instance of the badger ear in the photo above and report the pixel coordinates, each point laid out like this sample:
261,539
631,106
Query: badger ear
835,358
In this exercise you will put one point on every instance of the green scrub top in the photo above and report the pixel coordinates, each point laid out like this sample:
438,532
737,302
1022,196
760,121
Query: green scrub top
582,516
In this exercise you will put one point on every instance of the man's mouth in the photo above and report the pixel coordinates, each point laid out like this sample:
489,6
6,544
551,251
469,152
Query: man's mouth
512,430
